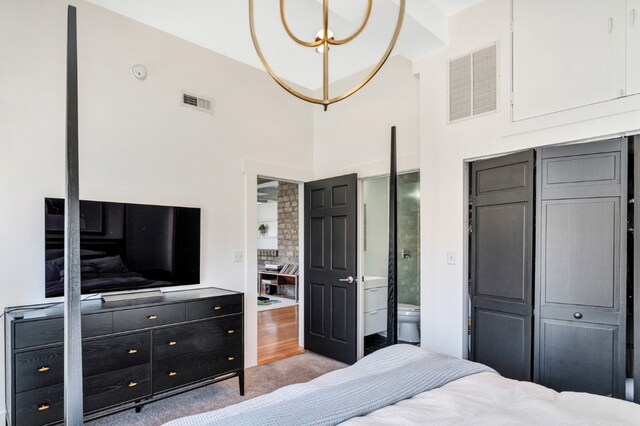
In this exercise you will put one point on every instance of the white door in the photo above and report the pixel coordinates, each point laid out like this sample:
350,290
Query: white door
633,47
567,54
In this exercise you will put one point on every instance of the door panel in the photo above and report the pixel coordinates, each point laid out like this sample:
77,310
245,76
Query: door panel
339,318
583,38
330,256
316,309
502,268
633,47
339,238
511,333
581,244
572,355
501,263
579,251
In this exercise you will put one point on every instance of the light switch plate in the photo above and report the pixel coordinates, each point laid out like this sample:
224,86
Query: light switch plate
238,256
451,257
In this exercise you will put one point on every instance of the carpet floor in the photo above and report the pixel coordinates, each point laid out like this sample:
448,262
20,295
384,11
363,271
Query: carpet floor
258,381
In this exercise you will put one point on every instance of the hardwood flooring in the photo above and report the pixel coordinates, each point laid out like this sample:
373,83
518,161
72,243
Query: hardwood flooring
278,334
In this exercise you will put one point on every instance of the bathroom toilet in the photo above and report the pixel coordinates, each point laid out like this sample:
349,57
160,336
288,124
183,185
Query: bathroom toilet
408,322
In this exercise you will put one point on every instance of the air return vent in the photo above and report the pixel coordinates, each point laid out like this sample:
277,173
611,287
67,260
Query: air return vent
473,83
197,102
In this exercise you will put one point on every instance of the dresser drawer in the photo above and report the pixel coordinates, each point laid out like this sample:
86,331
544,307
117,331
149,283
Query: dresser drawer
211,308
44,367
47,331
46,405
116,387
197,337
115,353
39,368
40,406
177,371
135,319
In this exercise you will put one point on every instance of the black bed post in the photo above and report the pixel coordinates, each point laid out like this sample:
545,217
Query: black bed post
392,307
73,410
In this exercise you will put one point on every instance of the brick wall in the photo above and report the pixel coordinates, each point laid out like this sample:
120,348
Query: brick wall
288,222
288,232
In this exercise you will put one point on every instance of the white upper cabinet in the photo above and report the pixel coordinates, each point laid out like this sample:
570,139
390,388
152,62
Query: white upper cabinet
568,54
633,47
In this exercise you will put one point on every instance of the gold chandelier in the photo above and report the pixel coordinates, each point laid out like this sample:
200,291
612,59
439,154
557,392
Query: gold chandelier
323,39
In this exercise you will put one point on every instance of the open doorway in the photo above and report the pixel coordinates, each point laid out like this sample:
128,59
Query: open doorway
278,269
375,255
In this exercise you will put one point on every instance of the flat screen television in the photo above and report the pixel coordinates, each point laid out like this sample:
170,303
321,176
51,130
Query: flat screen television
125,246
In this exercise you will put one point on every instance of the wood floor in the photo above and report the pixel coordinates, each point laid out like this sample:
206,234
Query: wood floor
278,334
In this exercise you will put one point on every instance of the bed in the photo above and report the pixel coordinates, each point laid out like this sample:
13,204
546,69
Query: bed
407,385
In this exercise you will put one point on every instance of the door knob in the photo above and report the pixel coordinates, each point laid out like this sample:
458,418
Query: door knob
577,315
349,279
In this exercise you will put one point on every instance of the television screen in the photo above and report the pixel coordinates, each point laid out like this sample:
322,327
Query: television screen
125,246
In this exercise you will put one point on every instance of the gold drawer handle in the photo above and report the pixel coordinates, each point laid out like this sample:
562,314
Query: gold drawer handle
44,369
172,343
231,358
43,407
217,308
152,317
132,351
230,331
133,384
172,373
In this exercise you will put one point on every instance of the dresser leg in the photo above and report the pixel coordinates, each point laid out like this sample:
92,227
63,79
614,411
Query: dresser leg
241,382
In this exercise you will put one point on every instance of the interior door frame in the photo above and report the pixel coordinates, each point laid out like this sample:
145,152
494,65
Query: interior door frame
252,169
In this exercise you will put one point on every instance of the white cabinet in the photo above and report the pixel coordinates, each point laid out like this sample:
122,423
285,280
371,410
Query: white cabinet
568,54
375,305
375,322
633,47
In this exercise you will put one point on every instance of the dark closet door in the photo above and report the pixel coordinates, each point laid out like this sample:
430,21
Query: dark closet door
330,267
581,268
501,263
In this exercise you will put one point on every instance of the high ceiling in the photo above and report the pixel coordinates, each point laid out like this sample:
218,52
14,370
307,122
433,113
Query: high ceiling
223,26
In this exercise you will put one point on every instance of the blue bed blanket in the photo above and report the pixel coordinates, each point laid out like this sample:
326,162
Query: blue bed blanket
380,379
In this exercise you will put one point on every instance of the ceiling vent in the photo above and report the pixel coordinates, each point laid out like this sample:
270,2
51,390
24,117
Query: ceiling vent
197,102
473,84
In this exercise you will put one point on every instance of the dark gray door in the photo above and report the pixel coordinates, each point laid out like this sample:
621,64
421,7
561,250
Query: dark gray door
501,263
581,268
330,267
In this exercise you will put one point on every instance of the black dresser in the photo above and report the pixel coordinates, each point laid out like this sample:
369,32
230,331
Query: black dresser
134,352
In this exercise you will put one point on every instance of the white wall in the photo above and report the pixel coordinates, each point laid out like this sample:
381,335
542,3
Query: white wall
136,143
353,135
444,149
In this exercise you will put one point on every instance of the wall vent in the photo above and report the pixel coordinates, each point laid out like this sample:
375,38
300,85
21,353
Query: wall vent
197,102
473,84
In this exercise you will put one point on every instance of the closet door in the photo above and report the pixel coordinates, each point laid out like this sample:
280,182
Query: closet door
581,268
585,39
501,263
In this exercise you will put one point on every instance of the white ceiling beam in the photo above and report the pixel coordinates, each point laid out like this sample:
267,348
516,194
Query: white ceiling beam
430,16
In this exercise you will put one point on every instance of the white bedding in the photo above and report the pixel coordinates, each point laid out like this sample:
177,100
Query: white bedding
489,399
394,374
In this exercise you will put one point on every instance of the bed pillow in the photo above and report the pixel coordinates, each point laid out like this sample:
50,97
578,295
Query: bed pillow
109,265
51,271
86,270
51,254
